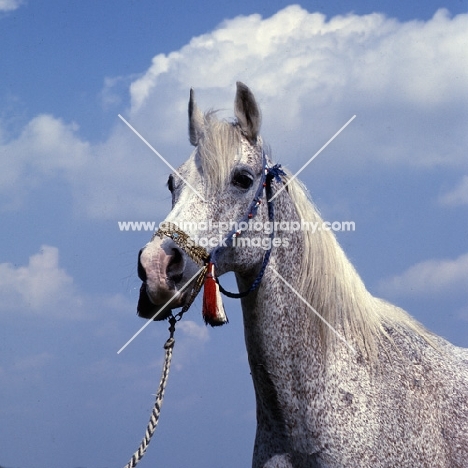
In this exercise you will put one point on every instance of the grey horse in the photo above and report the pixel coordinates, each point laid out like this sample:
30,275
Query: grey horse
341,378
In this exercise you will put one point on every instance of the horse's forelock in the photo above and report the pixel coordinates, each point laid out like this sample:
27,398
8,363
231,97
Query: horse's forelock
218,150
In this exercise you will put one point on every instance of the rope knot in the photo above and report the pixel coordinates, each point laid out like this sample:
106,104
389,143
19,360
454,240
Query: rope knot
169,343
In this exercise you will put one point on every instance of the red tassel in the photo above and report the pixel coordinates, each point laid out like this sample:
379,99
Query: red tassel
213,309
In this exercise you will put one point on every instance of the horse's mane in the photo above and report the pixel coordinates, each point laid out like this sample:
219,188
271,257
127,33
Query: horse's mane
328,281
331,284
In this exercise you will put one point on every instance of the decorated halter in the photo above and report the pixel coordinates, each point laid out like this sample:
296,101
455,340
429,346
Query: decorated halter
213,309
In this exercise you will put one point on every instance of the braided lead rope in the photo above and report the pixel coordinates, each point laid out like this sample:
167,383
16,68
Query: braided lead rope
168,346
154,419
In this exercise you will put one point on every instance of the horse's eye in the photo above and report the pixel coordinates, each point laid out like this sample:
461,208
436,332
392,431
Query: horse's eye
170,183
242,180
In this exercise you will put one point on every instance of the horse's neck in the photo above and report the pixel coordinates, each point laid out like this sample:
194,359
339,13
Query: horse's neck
282,332
277,323
286,324
284,357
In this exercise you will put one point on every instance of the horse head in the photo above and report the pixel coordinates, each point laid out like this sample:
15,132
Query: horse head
211,193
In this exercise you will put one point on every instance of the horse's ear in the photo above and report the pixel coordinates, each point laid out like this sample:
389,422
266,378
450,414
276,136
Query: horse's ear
195,120
247,112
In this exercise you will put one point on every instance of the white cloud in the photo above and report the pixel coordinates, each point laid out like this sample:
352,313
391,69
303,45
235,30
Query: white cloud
432,277
405,81
10,5
104,178
457,196
46,148
192,330
41,288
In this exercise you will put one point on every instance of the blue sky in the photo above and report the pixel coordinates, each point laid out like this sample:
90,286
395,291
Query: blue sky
70,169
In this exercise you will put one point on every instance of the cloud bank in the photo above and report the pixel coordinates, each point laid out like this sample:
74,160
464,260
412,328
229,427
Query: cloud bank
405,81
429,278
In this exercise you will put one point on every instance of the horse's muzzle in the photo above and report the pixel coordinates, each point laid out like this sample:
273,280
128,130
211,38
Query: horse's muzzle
160,267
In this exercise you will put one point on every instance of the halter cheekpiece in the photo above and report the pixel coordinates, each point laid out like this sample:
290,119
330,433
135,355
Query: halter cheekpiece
213,309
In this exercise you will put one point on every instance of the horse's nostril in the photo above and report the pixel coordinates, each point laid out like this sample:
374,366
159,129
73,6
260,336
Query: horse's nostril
141,270
175,267
176,257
